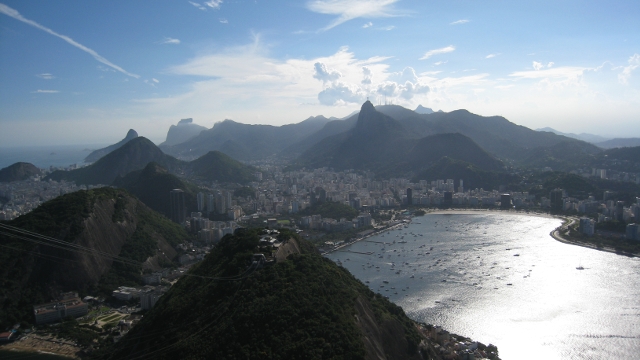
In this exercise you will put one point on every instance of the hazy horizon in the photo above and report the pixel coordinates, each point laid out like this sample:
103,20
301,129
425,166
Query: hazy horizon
84,73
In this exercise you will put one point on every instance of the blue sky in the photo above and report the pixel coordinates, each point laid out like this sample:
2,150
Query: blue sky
81,72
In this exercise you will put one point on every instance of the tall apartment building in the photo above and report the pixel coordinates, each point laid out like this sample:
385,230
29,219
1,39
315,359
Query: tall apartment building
177,208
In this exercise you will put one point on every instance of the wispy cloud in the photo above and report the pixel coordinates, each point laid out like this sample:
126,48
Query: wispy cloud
45,76
369,24
388,28
4,9
45,91
491,56
214,4
198,5
352,9
224,21
459,22
439,63
443,50
554,73
170,41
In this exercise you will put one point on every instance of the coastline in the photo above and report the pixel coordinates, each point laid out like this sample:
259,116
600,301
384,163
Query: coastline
556,234
45,346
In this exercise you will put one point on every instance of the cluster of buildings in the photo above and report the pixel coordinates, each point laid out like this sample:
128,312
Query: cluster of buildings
450,346
208,231
20,197
147,294
293,191
68,304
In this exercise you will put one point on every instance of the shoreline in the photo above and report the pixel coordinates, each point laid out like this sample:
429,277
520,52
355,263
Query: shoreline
558,237
45,346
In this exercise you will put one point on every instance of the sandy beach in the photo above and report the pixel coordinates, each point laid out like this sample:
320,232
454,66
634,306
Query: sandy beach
487,211
44,344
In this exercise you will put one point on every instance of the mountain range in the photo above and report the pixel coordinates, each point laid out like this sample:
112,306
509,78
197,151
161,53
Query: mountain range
590,138
380,143
138,152
244,141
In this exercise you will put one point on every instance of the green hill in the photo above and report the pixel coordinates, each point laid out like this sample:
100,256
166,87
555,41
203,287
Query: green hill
18,171
106,220
152,186
330,209
473,176
304,307
134,155
216,166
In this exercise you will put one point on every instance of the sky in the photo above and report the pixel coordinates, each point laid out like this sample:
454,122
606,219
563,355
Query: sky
85,72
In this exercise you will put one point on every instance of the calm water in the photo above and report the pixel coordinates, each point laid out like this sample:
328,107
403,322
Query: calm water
501,279
45,156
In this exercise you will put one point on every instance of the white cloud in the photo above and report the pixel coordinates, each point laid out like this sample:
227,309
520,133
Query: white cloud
443,50
224,21
155,80
16,15
170,41
214,4
45,91
537,65
438,63
325,75
388,28
369,24
352,9
46,76
634,63
341,93
197,5
550,64
459,22
490,56
368,76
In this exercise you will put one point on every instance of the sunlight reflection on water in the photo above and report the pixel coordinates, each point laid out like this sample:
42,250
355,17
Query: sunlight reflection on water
501,279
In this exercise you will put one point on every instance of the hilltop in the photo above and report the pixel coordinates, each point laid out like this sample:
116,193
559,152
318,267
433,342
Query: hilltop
107,220
301,307
18,171
184,131
97,154
152,186
134,155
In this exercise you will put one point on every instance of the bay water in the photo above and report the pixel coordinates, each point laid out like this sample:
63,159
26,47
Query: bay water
501,278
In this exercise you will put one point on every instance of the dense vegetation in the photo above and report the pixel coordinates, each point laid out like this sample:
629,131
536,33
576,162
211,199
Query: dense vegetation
152,186
301,308
35,273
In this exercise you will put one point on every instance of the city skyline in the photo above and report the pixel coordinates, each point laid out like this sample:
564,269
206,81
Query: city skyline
86,69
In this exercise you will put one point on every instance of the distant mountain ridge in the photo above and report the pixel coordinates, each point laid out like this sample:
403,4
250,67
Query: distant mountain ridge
184,131
619,142
590,138
244,141
97,154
